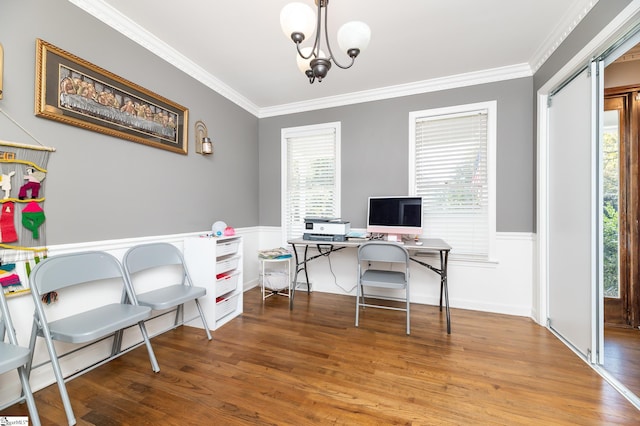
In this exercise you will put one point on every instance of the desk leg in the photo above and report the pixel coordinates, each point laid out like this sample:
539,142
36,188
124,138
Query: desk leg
444,287
292,294
300,266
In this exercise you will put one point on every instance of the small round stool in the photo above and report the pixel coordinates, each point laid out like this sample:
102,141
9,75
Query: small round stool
269,270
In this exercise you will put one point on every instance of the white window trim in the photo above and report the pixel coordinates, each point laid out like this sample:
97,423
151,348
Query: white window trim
291,132
492,120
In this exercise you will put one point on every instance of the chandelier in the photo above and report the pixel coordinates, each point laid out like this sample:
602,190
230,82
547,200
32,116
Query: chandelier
298,21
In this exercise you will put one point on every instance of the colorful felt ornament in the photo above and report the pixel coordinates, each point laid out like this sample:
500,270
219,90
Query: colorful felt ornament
32,218
5,183
7,267
9,280
7,228
33,178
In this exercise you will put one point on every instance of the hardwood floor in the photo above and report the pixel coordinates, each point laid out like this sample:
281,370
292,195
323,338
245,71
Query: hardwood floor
621,355
312,366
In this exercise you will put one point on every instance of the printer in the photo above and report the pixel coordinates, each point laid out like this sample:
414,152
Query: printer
325,229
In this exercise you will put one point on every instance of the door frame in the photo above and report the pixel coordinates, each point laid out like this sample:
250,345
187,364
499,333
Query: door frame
626,308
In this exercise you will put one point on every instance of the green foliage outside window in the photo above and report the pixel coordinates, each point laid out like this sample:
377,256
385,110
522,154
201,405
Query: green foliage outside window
610,214
610,219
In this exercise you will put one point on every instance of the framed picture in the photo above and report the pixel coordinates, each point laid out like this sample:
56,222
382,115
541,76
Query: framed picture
74,91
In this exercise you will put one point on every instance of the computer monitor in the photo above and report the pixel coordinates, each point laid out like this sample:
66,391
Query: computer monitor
395,216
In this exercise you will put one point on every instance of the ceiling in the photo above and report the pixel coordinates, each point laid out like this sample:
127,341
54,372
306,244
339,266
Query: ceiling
237,48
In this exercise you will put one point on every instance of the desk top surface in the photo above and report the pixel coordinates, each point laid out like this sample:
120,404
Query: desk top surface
428,244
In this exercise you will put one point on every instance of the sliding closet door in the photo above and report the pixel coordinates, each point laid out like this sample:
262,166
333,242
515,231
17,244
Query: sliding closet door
572,204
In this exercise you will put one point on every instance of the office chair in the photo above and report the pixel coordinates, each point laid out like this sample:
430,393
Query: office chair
147,257
372,276
14,357
89,269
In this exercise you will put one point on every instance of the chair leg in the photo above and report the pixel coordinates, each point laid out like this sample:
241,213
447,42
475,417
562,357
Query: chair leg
358,303
152,356
408,316
116,346
28,396
204,320
57,372
179,315
32,346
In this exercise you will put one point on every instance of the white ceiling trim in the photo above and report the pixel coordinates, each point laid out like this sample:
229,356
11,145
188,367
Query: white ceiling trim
568,23
426,86
121,23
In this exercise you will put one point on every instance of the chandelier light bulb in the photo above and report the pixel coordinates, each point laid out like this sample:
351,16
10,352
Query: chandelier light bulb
354,35
297,18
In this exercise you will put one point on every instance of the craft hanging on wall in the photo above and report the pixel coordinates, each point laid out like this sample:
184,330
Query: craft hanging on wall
22,215
23,169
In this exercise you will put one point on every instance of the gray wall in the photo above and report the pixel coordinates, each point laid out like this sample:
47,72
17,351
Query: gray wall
100,187
375,150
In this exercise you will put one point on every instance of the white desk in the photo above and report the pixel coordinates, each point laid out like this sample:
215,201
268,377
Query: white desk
429,245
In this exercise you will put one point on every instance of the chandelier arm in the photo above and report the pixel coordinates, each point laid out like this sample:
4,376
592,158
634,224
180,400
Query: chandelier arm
326,38
316,44
302,55
315,50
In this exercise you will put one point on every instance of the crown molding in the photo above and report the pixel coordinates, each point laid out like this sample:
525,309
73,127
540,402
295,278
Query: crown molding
415,88
121,23
567,24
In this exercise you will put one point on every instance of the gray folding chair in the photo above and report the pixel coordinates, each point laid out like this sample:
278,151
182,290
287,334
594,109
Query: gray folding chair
169,295
371,276
89,269
14,357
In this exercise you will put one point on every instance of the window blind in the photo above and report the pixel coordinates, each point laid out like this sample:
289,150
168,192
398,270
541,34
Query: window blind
451,176
311,182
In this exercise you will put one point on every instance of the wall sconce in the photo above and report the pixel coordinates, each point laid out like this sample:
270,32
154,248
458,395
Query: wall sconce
1,68
204,145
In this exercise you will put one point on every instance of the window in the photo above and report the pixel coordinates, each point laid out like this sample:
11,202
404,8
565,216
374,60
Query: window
452,166
310,175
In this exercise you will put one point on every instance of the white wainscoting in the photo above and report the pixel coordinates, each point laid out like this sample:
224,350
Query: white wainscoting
21,308
504,286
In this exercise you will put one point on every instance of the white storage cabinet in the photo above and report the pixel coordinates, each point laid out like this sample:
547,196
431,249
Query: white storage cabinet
216,264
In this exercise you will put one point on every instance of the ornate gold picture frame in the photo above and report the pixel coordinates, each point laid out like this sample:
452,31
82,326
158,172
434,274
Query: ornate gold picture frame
73,91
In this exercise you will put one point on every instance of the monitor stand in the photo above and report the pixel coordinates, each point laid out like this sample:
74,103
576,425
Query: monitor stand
394,237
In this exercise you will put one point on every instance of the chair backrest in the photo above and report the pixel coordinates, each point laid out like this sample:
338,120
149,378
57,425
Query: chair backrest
66,270
382,251
147,256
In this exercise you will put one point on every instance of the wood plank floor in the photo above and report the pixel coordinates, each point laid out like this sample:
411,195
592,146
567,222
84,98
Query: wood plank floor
312,366
621,355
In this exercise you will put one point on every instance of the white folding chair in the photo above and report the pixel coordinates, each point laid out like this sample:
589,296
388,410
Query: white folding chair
373,276
89,269
167,294
14,357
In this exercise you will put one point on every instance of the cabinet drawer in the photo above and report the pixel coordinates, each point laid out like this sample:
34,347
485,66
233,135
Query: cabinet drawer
227,264
227,248
226,283
225,306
